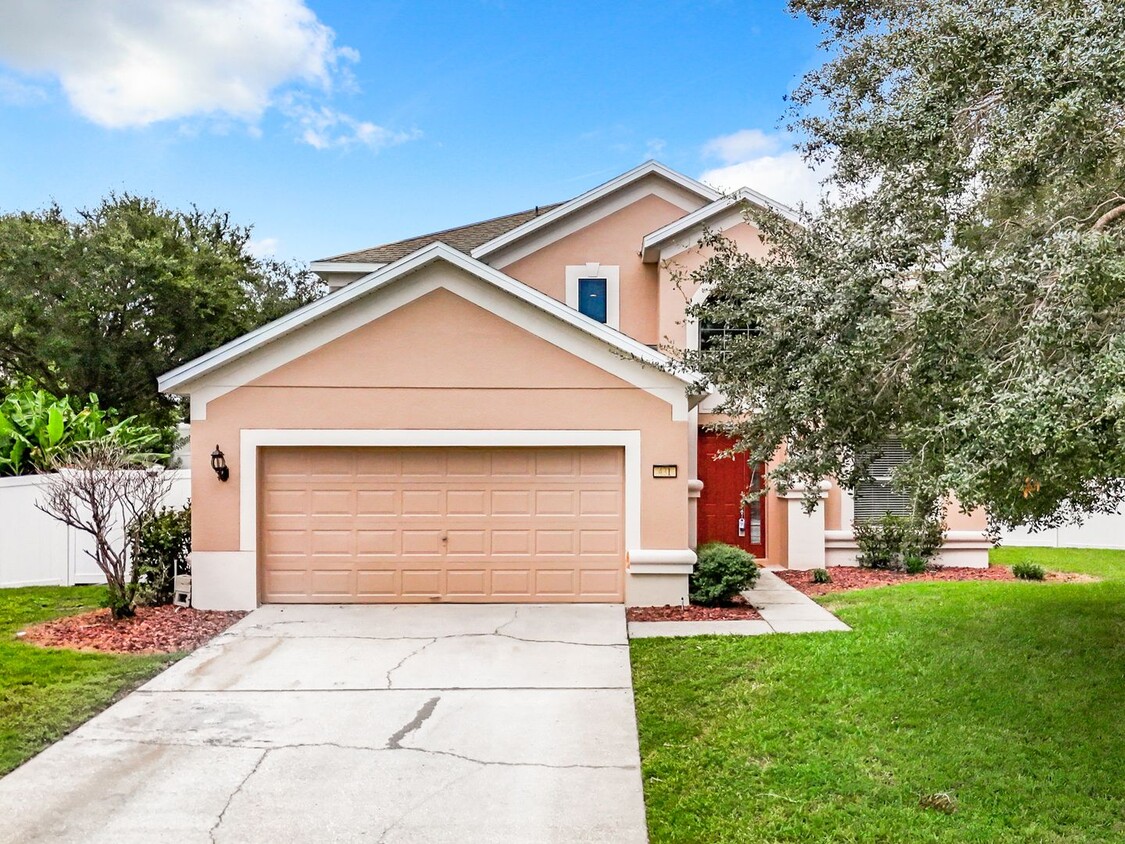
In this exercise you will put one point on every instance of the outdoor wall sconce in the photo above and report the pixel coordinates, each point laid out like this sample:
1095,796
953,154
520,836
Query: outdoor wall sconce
219,464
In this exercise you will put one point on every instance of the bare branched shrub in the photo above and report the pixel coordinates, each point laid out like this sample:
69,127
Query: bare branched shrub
102,489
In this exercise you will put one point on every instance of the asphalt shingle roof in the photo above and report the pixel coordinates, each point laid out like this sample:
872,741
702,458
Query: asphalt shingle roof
463,238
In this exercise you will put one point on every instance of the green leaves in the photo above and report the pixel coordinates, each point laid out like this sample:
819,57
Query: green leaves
108,302
965,292
36,429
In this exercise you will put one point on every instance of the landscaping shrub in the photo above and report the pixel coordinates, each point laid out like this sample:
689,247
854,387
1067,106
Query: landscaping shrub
914,564
37,429
721,572
821,576
890,540
1029,571
162,545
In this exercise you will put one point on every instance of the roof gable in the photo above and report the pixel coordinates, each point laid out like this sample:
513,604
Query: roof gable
558,216
744,198
260,351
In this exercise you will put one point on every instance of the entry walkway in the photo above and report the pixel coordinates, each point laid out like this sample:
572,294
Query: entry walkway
783,610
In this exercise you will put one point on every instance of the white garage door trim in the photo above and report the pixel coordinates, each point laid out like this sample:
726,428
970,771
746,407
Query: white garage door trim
254,439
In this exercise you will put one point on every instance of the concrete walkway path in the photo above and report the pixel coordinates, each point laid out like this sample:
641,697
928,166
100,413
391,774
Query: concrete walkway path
379,724
783,610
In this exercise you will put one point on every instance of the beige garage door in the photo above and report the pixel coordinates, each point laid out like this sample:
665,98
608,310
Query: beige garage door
388,525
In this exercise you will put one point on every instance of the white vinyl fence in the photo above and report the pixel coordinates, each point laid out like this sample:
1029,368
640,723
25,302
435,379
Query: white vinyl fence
1100,531
36,550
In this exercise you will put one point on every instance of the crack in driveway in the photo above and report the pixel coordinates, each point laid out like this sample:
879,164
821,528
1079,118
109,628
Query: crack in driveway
427,709
236,792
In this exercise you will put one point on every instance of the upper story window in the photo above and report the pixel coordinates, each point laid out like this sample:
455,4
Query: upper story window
595,290
722,335
592,298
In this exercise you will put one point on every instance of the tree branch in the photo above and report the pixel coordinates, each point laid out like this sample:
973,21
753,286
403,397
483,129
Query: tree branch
1109,217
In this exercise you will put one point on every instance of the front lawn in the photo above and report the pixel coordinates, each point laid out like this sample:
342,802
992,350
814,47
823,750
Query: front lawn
1008,696
46,692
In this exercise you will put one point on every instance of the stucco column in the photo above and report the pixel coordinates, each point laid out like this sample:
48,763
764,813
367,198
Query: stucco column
694,490
806,530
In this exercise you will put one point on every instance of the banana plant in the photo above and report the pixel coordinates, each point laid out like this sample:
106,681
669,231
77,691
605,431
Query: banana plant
37,428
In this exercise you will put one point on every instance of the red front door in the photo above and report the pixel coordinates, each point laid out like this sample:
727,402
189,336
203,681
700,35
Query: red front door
723,516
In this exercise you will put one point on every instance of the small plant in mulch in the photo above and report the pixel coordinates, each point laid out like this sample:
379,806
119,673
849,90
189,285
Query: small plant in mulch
820,576
721,572
1029,571
914,564
891,542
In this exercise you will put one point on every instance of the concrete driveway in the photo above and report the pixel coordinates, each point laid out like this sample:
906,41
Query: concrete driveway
450,723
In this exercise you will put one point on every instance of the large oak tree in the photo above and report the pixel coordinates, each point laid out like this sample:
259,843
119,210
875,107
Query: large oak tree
964,290
130,289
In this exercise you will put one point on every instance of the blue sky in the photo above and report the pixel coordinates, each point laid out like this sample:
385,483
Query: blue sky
332,126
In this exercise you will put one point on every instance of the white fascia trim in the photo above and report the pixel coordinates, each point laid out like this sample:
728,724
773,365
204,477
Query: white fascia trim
654,380
652,243
254,439
699,189
321,267
178,379
612,276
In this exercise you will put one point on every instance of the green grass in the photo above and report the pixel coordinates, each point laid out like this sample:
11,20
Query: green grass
1009,696
46,692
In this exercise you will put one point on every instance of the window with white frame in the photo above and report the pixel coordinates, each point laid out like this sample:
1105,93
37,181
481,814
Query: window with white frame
594,290
875,497
723,336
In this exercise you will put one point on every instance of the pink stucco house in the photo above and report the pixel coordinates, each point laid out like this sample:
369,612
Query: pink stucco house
482,414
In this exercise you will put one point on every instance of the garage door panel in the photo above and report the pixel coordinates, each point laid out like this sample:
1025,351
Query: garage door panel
423,502
376,502
474,524
511,502
466,542
381,543
556,463
511,542
511,582
332,583
469,583
551,543
599,543
377,464
466,502
332,464
421,582
423,462
377,583
332,543
421,543
556,502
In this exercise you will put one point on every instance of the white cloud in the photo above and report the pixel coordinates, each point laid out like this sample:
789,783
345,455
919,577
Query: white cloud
263,247
129,63
765,162
322,127
736,147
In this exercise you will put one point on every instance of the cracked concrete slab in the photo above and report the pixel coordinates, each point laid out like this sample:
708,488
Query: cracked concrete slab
503,724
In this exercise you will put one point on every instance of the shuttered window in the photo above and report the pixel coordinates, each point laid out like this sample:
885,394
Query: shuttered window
876,497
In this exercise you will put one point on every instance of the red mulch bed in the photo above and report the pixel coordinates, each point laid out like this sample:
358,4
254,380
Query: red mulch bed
853,577
737,610
153,630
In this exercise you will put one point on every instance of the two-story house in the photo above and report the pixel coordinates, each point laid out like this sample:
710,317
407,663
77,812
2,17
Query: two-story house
483,414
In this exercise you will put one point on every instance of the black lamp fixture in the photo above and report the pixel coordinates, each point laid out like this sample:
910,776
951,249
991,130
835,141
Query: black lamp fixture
219,464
